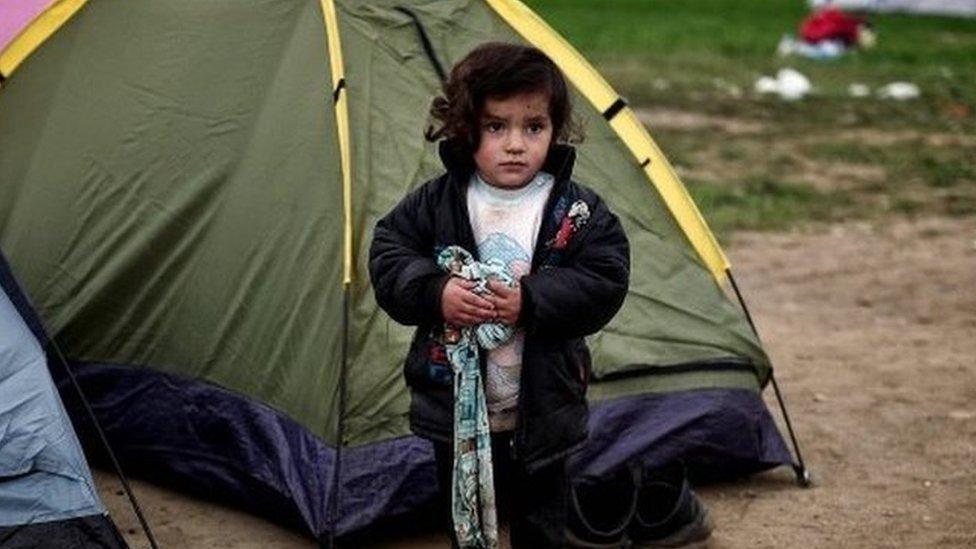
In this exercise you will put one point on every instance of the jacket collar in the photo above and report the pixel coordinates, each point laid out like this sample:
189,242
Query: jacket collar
559,162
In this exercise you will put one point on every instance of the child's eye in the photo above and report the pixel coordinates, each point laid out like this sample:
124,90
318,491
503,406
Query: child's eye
493,127
536,128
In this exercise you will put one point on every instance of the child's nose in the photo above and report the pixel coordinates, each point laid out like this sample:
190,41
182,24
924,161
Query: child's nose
515,143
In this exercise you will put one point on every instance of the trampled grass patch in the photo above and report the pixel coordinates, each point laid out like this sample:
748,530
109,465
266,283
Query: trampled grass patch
949,172
765,204
912,161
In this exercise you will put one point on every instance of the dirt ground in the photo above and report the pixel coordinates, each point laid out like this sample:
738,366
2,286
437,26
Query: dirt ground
872,329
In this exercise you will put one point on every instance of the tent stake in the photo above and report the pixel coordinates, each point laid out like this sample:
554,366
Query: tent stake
101,435
799,468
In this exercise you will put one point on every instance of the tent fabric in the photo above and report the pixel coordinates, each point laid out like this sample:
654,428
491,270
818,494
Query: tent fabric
46,489
174,201
195,233
217,443
717,433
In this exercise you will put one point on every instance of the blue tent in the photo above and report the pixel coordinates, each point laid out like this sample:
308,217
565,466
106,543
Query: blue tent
47,497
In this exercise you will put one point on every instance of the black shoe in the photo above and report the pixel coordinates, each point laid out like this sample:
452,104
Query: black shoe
600,511
668,513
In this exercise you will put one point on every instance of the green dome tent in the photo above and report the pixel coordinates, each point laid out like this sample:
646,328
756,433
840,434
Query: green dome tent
187,193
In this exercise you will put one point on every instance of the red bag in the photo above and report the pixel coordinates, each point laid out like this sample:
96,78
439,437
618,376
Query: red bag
831,24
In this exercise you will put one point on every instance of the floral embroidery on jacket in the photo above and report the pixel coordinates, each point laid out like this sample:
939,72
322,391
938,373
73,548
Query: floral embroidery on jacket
571,223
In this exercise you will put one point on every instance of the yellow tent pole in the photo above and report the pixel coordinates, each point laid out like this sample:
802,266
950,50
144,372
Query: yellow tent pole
623,121
340,99
34,34
339,96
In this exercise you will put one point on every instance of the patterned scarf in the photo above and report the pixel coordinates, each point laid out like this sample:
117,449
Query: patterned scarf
473,489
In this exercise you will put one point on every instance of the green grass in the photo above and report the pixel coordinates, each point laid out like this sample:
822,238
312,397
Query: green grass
827,157
913,161
847,151
765,204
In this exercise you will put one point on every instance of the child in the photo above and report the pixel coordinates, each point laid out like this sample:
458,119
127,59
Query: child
506,251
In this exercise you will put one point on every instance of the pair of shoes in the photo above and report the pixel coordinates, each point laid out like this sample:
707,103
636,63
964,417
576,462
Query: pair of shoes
663,512
686,524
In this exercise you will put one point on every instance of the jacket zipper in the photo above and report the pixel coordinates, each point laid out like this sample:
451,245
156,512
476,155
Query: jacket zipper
558,188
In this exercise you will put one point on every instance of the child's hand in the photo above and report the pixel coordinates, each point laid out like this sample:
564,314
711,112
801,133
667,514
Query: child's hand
507,301
462,307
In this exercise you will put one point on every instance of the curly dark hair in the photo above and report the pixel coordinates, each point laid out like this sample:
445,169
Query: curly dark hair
498,70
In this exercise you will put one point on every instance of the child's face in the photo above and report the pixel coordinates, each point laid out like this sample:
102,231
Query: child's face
515,137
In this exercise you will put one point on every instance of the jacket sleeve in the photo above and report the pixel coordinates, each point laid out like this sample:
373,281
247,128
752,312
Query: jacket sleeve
405,277
581,296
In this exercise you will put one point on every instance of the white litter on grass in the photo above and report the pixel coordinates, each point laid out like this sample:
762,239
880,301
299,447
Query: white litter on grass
789,84
899,91
766,84
792,84
859,90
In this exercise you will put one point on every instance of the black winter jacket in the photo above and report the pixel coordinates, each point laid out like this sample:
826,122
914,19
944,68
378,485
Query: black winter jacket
572,290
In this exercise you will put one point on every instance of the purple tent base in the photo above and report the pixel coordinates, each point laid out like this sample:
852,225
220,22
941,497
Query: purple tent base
718,434
221,445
